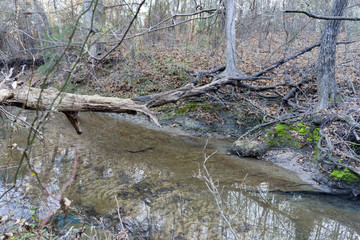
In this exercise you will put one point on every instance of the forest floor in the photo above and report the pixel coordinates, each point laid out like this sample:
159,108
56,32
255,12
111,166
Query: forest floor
258,117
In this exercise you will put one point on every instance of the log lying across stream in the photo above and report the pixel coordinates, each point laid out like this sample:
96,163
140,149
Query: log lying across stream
70,104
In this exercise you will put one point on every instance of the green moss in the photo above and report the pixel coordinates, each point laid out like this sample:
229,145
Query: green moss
303,130
166,116
194,106
189,107
345,175
294,135
315,136
282,136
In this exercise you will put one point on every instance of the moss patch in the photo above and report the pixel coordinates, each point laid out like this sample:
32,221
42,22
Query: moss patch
295,135
189,107
345,175
314,136
282,136
195,106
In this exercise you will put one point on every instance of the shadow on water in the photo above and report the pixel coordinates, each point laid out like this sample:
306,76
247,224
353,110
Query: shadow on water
152,174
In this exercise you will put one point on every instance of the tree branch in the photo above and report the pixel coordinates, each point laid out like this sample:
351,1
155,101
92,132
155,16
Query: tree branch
312,15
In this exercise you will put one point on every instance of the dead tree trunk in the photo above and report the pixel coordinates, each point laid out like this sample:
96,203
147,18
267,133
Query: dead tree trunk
327,87
69,104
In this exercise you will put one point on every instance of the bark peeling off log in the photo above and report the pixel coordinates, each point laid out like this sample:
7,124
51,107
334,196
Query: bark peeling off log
54,100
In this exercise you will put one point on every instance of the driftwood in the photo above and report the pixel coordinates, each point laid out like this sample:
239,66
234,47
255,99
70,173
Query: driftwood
189,90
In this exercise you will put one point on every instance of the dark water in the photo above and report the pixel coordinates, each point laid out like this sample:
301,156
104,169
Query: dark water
154,175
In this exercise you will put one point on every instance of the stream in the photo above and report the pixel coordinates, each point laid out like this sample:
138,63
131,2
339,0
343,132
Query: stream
154,174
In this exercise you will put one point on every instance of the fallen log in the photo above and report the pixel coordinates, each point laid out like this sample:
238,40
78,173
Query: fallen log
190,89
70,104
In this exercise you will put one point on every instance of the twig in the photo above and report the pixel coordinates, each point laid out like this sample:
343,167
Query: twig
119,216
23,123
213,188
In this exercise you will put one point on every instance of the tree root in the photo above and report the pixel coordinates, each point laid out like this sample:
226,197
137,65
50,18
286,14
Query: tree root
330,150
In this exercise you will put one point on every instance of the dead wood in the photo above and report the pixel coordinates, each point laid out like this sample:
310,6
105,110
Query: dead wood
190,90
295,89
196,80
70,104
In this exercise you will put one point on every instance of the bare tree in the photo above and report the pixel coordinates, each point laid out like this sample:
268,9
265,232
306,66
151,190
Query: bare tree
328,89
43,16
230,32
57,16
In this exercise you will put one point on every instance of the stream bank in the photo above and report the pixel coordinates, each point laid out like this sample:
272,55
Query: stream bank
296,152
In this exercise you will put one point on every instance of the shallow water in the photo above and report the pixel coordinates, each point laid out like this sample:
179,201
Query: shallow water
154,175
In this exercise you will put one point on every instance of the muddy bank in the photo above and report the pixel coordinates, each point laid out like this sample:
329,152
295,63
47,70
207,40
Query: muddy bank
225,125
311,172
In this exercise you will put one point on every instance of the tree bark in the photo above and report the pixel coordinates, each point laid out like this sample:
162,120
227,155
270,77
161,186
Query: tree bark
43,17
57,17
93,21
230,32
70,104
327,87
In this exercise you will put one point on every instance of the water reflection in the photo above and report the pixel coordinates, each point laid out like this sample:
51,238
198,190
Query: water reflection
152,175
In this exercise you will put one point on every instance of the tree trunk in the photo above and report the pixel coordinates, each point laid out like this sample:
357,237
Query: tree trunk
43,17
93,21
230,32
327,87
57,17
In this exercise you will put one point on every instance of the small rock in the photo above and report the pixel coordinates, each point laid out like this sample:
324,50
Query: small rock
249,148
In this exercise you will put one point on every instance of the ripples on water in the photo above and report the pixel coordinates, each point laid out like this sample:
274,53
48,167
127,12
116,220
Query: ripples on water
152,173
